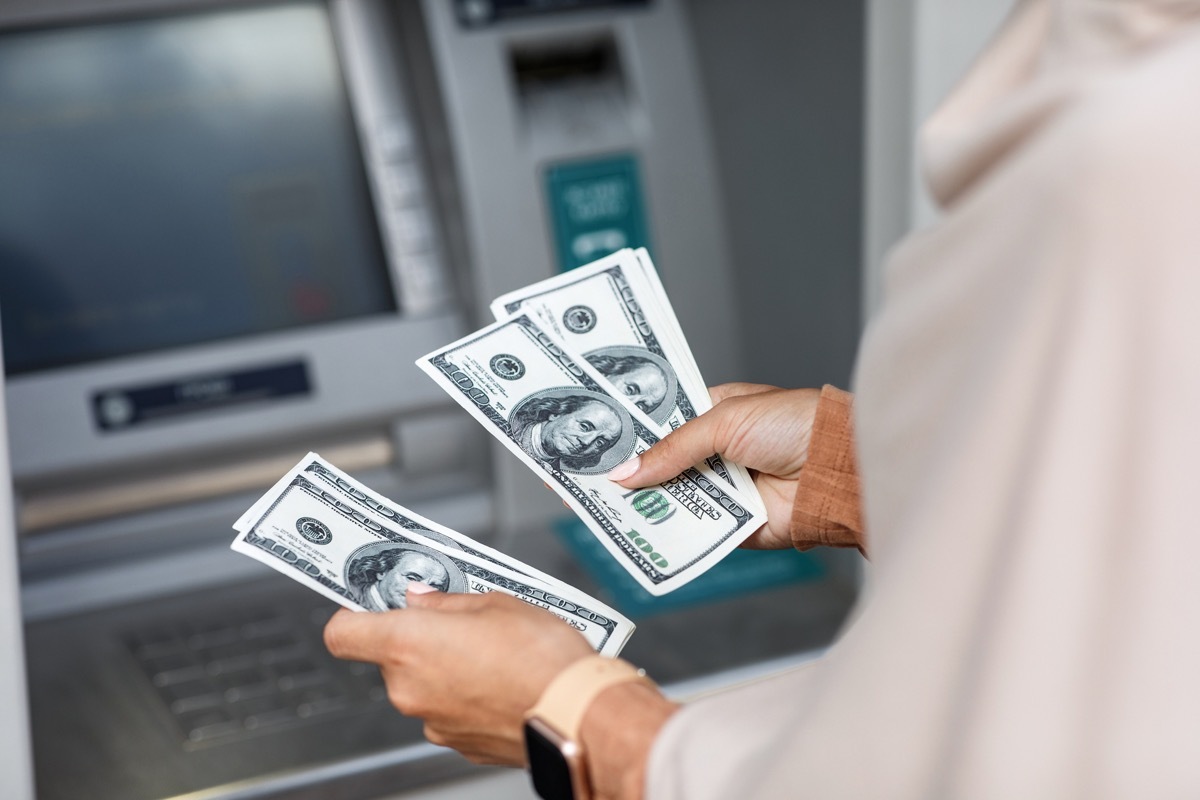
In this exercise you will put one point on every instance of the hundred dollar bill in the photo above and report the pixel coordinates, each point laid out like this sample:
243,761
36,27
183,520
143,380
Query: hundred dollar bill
605,312
320,471
315,536
613,315
674,329
559,418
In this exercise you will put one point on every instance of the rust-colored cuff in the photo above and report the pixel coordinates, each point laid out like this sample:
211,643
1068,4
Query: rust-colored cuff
828,508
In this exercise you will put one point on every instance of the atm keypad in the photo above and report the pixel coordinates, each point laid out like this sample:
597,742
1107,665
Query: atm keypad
222,679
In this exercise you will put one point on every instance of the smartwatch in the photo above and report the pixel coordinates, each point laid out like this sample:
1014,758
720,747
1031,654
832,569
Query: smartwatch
557,761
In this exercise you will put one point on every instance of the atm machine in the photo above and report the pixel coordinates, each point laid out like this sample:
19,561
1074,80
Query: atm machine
227,230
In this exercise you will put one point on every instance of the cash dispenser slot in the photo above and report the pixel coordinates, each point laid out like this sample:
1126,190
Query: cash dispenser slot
571,90
582,61
87,501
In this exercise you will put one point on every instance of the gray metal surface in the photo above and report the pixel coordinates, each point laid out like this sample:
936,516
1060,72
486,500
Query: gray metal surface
88,688
918,51
100,728
16,774
388,132
784,83
889,153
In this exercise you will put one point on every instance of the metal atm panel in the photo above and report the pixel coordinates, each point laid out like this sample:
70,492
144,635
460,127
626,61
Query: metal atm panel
530,98
539,136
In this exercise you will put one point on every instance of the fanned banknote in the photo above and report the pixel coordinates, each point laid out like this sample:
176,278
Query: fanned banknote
558,415
324,529
614,314
320,471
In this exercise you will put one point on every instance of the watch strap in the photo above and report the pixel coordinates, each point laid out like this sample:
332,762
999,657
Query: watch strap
567,698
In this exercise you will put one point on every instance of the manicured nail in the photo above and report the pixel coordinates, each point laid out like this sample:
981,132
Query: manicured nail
416,587
626,470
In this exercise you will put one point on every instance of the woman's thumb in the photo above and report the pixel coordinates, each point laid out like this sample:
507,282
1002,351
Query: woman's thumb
686,446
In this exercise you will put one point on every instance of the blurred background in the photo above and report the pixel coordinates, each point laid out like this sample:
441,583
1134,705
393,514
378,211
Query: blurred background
229,227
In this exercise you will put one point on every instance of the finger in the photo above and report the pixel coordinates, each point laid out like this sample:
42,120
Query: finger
689,444
434,736
727,390
479,748
440,601
361,635
457,602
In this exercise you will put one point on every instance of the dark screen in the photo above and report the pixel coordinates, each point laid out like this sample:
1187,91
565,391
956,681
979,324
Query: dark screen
548,768
178,180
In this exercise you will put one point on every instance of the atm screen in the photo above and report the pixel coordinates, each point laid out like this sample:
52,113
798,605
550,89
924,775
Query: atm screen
177,180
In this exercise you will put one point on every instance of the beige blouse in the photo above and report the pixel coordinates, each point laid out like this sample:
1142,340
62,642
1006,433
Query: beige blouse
1026,422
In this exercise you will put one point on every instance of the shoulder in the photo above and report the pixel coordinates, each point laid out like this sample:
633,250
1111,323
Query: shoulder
1109,182
1134,130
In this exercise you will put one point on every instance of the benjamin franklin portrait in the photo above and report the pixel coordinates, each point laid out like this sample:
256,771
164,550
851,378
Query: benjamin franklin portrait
646,378
574,430
378,574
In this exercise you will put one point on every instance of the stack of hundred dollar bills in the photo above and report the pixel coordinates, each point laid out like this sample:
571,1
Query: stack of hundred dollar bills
579,373
331,533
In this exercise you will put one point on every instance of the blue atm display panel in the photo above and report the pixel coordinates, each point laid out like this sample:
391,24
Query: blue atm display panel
179,180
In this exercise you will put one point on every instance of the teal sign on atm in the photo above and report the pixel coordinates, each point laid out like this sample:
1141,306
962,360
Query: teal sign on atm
739,573
596,208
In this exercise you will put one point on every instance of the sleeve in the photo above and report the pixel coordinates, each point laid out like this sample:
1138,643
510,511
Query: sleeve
1027,425
733,733
828,508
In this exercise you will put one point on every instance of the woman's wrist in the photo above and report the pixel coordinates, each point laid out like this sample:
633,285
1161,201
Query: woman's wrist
617,735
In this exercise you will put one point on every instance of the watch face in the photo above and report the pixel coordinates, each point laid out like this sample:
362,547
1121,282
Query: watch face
547,765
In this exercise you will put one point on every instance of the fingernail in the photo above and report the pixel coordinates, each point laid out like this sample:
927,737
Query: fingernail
416,587
626,470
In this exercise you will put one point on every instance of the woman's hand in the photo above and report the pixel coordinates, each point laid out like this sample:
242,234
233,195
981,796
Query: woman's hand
469,665
763,428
